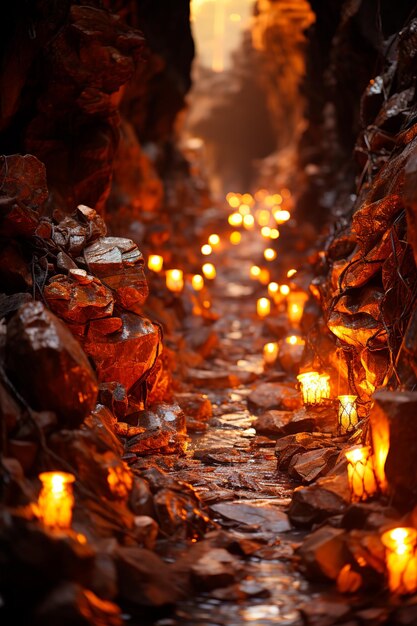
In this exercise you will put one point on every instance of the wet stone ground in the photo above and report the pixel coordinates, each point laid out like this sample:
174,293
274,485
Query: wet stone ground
234,471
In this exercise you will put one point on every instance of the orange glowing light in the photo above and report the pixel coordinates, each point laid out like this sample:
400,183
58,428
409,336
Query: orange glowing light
248,222
270,352
260,194
206,249
120,480
294,340
155,262
255,272
197,282
56,500
235,17
244,209
281,216
233,201
284,290
235,219
291,273
214,240
400,559
270,254
174,280
206,304
274,234
310,387
263,307
273,289
264,276
277,198
235,237
209,271
266,232
361,474
380,444
247,198
269,201
263,216
347,413
295,306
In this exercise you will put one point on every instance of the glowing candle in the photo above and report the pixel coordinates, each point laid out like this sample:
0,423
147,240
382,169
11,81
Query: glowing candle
281,216
294,340
266,232
324,380
197,282
310,387
214,240
235,237
206,249
270,353
247,198
348,415
274,233
263,307
361,473
270,254
56,500
291,273
244,209
295,306
255,272
400,559
264,276
155,262
248,222
380,444
209,271
273,289
263,216
235,219
284,290
174,280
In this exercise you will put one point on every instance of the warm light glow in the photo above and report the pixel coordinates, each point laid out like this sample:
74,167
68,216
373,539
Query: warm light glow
291,273
294,340
244,209
269,201
270,352
255,271
235,237
284,290
348,415
155,262
247,198
206,249
197,282
295,306
274,233
264,276
214,240
235,17
263,217
174,280
400,559
235,219
266,232
120,480
380,444
233,201
209,271
206,304
281,216
310,387
248,222
273,289
270,254
260,194
56,500
361,474
263,307
277,198
324,386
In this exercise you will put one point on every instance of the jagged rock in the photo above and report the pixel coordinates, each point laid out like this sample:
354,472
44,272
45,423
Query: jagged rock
267,518
163,430
77,302
127,355
119,264
69,603
314,504
113,395
23,193
210,379
216,568
393,415
274,396
368,516
140,500
146,531
61,377
272,422
308,466
159,382
101,422
323,553
197,409
290,445
144,579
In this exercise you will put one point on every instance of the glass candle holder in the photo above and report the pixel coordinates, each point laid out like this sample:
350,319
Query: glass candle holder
295,306
175,280
347,413
155,262
310,387
361,473
324,380
263,307
400,559
270,353
56,500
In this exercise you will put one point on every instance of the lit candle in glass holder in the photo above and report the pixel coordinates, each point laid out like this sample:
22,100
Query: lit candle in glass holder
155,262
235,219
56,500
400,559
361,473
324,386
310,387
197,282
263,307
284,290
214,240
248,222
295,306
273,290
209,271
206,249
255,272
281,216
174,280
270,353
347,413
270,254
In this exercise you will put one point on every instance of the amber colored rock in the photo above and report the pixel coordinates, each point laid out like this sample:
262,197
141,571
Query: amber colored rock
323,553
163,430
197,409
144,579
105,326
314,504
69,603
48,365
159,382
113,395
120,266
78,302
127,355
274,396
217,568
141,501
312,464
